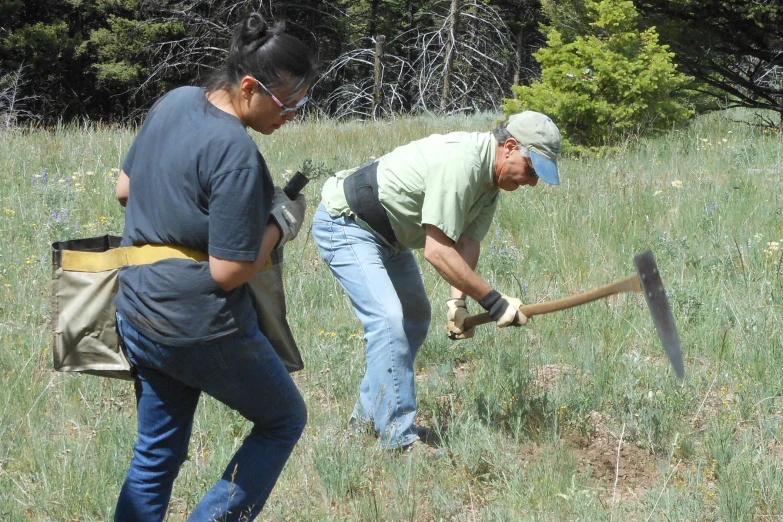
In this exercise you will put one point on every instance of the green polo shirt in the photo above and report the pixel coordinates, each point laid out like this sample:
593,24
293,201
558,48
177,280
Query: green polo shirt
445,180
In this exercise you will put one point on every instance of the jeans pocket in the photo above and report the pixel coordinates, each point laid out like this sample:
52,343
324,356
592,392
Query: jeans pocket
193,365
322,233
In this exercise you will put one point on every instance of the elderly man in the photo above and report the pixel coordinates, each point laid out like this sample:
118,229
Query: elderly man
440,194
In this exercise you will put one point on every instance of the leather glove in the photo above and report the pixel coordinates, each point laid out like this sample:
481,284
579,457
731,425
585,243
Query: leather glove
457,312
288,215
504,310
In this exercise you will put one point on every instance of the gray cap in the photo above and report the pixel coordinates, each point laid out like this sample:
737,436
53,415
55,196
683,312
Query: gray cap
539,134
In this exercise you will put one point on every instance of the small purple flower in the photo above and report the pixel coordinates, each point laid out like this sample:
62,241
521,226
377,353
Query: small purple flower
35,181
713,206
45,176
524,288
78,227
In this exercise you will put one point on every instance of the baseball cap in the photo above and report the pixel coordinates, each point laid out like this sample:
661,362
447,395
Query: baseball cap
539,134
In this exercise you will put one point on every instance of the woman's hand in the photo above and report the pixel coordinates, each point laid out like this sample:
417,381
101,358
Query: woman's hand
288,215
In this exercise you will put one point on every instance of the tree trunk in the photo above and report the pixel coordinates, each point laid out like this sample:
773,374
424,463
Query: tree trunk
408,80
473,32
451,51
518,56
377,94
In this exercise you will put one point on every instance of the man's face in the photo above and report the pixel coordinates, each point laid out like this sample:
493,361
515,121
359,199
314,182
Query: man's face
515,170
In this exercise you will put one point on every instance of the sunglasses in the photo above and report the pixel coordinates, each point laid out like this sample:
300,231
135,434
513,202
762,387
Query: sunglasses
532,172
283,108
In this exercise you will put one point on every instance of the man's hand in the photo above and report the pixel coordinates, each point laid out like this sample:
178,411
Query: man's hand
288,215
504,310
457,312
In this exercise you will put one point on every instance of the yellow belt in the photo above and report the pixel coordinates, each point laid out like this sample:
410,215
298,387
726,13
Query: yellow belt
76,261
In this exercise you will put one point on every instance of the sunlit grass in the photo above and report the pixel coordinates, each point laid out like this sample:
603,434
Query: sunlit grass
529,422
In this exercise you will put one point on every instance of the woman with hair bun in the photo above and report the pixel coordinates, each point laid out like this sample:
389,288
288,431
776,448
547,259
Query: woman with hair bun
194,181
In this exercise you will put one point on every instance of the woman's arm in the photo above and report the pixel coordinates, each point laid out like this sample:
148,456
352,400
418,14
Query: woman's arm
123,188
231,274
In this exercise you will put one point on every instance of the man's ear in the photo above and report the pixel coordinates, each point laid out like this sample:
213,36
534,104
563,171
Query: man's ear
510,145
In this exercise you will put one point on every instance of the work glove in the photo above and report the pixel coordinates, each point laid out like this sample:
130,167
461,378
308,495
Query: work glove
288,215
457,312
504,310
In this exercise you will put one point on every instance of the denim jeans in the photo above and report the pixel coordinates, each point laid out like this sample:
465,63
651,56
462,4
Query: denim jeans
245,374
388,296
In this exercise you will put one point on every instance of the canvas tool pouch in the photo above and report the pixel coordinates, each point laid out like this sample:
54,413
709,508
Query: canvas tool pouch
85,282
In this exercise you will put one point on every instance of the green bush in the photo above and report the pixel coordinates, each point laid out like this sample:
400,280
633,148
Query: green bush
604,86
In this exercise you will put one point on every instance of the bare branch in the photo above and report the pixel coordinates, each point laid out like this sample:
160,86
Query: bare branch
13,99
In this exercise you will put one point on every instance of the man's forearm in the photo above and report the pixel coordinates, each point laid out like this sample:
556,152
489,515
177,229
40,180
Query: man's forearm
442,254
469,250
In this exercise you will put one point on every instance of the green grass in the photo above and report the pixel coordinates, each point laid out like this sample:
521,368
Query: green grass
529,421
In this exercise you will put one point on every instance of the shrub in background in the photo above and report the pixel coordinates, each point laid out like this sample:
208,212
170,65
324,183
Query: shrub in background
603,86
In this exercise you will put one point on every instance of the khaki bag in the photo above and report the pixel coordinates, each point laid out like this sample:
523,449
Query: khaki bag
84,284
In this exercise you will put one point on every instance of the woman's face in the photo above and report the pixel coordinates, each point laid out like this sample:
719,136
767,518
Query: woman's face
269,109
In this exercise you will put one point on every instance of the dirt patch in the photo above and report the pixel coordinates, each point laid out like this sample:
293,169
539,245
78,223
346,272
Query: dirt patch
619,470
774,448
595,455
626,475
462,370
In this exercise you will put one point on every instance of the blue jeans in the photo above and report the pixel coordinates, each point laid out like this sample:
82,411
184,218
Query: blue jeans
245,374
388,295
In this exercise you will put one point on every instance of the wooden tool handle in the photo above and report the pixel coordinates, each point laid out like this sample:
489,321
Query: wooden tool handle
630,284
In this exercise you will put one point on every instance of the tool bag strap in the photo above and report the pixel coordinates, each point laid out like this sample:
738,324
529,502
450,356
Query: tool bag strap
82,261
86,261
361,194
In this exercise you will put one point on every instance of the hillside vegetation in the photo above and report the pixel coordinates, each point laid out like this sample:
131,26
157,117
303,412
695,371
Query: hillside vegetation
575,417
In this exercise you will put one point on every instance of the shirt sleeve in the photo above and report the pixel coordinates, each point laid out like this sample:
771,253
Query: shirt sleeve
127,164
239,205
448,195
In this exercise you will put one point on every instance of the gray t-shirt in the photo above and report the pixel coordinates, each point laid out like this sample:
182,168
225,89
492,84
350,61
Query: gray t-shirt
198,180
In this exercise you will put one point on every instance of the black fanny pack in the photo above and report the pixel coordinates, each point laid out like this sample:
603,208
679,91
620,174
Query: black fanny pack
361,193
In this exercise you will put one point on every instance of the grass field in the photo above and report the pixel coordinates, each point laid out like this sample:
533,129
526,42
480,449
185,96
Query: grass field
575,417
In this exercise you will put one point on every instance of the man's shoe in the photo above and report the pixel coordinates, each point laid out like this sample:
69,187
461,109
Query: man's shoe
419,447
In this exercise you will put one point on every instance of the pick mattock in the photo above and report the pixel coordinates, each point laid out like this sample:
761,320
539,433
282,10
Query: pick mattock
647,279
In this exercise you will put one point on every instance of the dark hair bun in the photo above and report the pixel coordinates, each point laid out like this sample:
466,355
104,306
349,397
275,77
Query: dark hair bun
261,48
255,28
254,32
